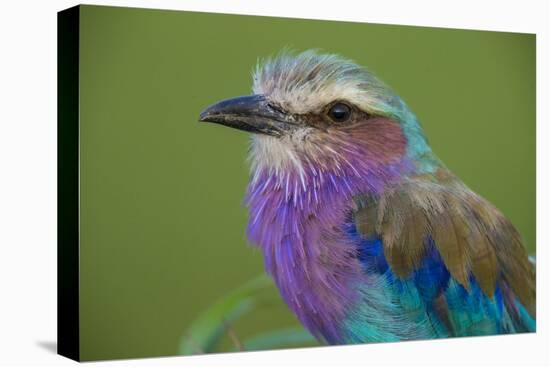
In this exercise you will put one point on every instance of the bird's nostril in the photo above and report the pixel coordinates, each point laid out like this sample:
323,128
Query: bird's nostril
275,107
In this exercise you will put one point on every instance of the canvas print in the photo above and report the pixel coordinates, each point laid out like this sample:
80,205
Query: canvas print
251,183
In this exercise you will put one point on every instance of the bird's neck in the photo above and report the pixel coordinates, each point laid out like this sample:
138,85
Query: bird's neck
297,218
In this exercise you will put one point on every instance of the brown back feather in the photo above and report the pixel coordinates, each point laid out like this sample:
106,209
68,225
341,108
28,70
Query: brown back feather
471,235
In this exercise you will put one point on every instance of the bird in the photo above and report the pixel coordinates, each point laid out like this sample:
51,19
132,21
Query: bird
368,236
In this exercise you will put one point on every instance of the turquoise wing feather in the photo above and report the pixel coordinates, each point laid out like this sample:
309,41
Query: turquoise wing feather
423,283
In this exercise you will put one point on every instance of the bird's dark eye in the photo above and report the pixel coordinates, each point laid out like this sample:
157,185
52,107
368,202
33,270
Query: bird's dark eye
339,112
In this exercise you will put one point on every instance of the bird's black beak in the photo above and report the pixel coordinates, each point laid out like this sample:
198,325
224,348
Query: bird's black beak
249,113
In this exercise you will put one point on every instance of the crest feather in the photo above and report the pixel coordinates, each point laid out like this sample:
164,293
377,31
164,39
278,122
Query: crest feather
306,82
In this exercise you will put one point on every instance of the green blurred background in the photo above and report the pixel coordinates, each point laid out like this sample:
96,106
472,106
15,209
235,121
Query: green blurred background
162,217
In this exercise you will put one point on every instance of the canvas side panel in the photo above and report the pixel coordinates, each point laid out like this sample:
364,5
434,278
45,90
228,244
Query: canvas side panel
68,33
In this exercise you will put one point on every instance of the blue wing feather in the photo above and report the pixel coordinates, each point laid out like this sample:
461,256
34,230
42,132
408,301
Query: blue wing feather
436,302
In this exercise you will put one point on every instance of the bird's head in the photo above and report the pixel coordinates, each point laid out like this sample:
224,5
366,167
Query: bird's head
320,109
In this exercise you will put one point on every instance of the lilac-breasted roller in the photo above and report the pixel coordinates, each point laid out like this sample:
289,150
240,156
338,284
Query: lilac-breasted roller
366,233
